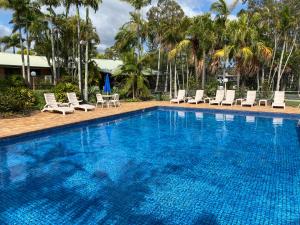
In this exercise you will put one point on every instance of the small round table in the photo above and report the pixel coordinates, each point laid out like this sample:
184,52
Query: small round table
107,98
207,100
239,100
263,102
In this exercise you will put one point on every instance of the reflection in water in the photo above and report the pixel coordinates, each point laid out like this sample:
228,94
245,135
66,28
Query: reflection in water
229,117
155,169
4,171
219,117
278,121
181,114
199,115
250,119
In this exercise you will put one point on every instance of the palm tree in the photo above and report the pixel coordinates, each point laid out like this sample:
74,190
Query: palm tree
51,16
138,5
78,4
135,82
17,6
221,9
94,4
244,45
11,41
31,13
200,38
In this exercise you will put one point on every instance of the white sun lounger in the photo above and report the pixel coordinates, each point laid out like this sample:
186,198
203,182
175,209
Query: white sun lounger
250,100
218,99
229,99
53,106
75,103
278,99
198,98
180,97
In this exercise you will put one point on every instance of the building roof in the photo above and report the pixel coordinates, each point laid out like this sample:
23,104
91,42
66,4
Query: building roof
9,59
14,60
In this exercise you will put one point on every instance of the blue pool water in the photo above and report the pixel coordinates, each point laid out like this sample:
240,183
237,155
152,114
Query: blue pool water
158,167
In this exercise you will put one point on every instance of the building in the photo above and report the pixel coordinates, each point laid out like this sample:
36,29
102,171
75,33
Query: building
11,64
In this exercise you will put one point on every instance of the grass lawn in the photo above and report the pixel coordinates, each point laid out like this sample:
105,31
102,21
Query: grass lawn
293,103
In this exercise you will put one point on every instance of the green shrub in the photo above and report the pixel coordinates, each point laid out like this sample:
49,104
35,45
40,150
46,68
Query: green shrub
12,81
40,100
266,92
211,87
61,89
16,100
241,93
92,93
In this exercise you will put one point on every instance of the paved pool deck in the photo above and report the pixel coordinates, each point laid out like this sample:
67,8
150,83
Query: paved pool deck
39,121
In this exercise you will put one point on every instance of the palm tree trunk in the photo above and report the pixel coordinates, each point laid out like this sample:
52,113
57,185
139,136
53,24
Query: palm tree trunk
175,79
86,76
53,53
170,80
133,87
182,71
28,52
158,69
22,54
53,56
257,77
238,79
203,70
262,75
79,49
273,59
196,70
280,67
139,36
187,73
166,80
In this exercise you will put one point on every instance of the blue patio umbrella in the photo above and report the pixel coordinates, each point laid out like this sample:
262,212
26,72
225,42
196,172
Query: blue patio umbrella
107,88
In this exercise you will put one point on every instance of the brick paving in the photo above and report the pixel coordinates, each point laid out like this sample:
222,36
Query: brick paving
38,121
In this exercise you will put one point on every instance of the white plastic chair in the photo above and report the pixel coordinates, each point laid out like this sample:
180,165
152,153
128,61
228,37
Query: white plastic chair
250,100
198,98
180,97
100,100
218,99
279,99
229,99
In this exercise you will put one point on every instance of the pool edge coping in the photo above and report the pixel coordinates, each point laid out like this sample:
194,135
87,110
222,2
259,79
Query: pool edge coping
107,118
74,124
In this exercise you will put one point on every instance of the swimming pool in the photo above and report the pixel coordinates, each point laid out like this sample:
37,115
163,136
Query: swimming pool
161,166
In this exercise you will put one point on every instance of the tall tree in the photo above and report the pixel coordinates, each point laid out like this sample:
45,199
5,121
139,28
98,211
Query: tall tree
78,4
17,6
11,41
51,4
94,4
138,5
135,82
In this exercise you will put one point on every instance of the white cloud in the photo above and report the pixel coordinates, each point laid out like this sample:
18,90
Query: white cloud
232,17
4,30
112,14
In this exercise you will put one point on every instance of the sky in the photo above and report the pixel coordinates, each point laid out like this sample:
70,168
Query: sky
112,14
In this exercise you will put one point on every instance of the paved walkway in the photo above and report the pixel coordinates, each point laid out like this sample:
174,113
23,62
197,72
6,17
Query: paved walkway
39,121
